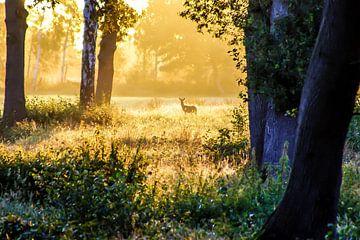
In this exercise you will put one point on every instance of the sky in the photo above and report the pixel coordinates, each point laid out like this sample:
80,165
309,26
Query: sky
138,5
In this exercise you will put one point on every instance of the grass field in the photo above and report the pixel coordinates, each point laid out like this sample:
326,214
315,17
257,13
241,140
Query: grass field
141,169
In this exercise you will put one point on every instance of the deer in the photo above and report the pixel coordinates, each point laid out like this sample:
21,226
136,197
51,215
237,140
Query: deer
187,108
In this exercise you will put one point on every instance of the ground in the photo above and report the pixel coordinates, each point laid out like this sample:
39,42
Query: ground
141,169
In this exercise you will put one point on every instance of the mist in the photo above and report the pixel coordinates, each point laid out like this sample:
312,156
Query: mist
163,55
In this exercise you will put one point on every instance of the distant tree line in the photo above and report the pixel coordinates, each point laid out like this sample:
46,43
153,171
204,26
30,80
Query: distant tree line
163,55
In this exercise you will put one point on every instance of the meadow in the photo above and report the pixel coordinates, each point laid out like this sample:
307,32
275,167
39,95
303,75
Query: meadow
142,169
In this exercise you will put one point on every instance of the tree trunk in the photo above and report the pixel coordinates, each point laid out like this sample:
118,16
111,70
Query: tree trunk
14,104
156,65
106,68
311,199
87,87
257,119
63,62
38,55
280,130
29,59
269,130
216,78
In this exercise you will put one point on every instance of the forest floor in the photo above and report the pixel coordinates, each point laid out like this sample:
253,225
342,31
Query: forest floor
143,169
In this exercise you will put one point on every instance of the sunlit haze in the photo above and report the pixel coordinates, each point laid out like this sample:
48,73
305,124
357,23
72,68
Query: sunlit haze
163,54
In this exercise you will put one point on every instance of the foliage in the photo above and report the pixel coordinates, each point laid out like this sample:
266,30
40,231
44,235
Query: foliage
232,143
116,16
349,207
48,112
353,137
279,68
146,177
54,110
276,66
95,187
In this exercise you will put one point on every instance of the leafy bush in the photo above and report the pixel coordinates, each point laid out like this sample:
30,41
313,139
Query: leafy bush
349,206
52,110
226,145
46,113
353,137
230,143
97,187
20,130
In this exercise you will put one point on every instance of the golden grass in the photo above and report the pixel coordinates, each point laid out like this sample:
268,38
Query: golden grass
170,139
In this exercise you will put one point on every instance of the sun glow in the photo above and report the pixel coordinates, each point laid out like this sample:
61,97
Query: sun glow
138,5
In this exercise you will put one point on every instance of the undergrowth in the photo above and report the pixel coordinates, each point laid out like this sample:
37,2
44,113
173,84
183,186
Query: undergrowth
176,185
50,112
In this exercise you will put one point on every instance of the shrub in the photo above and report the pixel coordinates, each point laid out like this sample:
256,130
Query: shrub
230,143
52,110
98,188
353,137
44,113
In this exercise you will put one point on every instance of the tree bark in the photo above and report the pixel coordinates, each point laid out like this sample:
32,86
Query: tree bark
280,130
106,68
279,10
269,130
87,87
14,104
257,119
311,199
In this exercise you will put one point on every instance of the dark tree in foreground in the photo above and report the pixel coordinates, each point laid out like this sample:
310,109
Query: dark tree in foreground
14,105
311,199
87,87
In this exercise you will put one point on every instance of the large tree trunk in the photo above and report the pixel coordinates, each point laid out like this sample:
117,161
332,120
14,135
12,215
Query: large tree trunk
279,129
257,103
106,68
280,132
87,87
257,119
14,105
311,199
269,130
